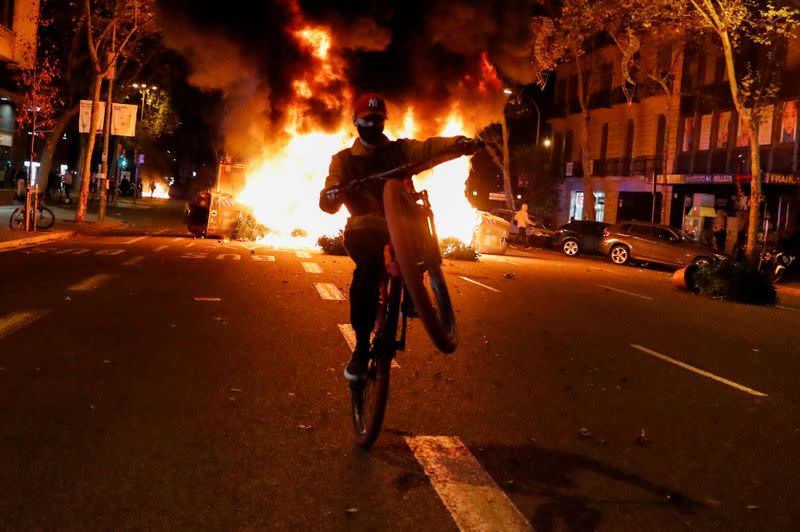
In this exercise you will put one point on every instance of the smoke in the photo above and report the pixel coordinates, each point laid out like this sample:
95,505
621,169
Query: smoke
429,55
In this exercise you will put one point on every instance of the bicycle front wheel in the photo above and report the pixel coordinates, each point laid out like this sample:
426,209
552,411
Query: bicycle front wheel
17,220
418,255
45,218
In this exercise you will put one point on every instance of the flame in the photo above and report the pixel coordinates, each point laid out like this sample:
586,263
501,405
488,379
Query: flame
161,191
283,186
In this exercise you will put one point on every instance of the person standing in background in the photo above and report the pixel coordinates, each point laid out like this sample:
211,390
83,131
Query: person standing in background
720,229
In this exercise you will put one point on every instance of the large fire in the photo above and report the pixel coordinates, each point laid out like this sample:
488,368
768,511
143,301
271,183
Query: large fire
283,187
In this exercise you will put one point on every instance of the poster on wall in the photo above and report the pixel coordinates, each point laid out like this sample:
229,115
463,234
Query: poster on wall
705,132
742,134
723,131
123,119
789,122
688,134
765,128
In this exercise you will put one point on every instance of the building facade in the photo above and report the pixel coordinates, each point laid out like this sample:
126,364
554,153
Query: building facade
683,147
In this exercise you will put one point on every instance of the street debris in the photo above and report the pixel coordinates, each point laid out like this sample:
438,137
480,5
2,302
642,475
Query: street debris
67,298
208,299
107,362
753,507
584,433
307,428
351,511
641,439
510,275
236,390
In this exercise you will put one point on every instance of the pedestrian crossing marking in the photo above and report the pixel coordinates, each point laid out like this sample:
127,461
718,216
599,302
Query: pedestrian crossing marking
235,256
134,261
329,291
110,252
16,320
161,248
89,283
311,267
303,254
263,258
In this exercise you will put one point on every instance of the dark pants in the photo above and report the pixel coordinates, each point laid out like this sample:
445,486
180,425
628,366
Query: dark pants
719,237
365,247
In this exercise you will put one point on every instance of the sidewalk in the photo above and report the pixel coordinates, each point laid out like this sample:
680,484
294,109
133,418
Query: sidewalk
64,227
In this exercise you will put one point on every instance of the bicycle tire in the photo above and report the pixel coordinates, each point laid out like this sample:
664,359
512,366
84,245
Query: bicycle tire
17,220
417,255
369,397
46,218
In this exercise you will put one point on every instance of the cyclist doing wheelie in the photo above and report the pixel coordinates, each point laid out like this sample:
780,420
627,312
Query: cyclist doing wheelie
366,233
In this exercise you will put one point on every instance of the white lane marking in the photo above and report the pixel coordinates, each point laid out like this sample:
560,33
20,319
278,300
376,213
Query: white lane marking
474,500
89,283
787,308
303,254
134,261
208,299
329,291
161,248
73,251
311,267
263,258
350,337
194,256
110,252
190,244
140,238
234,255
16,320
177,238
479,284
625,292
698,371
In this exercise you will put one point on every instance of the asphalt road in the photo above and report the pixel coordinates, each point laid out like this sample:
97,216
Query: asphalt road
157,381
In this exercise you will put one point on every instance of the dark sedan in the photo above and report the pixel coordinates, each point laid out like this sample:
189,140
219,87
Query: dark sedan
579,236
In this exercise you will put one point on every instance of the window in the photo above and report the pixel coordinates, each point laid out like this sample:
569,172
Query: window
644,231
665,235
576,206
7,13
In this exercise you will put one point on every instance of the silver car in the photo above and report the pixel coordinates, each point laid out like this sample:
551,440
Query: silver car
649,242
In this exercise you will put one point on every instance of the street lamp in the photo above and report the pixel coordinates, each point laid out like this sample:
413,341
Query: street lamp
547,143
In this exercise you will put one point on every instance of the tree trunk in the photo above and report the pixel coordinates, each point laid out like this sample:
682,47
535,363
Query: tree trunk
80,215
586,157
506,168
51,143
755,191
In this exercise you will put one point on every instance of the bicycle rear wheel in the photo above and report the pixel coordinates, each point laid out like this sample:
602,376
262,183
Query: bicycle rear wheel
420,260
369,397
45,218
17,220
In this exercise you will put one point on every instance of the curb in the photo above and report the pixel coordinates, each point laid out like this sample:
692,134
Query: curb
33,240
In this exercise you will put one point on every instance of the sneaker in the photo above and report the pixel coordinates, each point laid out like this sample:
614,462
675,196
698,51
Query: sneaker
356,369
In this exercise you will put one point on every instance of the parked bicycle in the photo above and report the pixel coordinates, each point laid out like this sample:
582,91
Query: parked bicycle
42,219
414,286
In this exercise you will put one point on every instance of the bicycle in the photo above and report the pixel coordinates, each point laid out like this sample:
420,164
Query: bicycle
414,286
44,218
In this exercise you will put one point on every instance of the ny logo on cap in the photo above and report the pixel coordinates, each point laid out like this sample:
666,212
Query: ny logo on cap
372,103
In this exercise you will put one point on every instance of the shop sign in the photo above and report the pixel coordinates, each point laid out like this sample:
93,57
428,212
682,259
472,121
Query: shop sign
782,179
698,179
722,178
675,179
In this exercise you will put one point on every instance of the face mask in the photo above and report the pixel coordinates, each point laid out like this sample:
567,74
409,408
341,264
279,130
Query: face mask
371,131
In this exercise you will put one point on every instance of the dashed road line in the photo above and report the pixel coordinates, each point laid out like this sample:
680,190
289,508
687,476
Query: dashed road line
350,337
89,283
16,320
134,240
235,256
302,254
698,371
110,252
479,284
73,251
787,308
161,248
625,292
134,261
472,497
329,291
311,267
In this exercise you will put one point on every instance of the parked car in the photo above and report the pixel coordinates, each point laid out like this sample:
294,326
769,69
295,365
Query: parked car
491,234
540,234
579,236
650,242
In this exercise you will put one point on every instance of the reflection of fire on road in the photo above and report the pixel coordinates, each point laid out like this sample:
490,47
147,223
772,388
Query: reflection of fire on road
284,184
